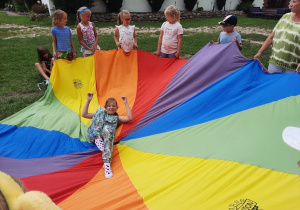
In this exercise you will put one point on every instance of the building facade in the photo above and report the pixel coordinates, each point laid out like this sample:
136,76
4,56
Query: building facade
143,5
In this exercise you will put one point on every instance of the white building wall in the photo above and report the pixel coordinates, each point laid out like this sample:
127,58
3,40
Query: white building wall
258,3
143,5
179,4
99,6
135,6
50,6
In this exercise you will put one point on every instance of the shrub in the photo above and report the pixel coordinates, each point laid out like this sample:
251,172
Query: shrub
36,16
29,3
155,4
200,9
113,5
189,4
72,6
39,8
221,4
20,6
244,6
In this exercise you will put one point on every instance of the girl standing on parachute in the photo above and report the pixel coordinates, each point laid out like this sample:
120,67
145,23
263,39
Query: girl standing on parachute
170,38
126,33
102,128
86,32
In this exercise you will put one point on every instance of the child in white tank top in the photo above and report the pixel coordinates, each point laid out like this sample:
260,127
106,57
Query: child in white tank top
86,32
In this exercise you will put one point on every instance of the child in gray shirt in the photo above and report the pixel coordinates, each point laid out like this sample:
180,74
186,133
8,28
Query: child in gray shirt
228,34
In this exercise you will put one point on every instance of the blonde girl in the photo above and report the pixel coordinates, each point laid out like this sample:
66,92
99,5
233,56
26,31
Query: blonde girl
170,38
102,128
62,37
124,35
86,32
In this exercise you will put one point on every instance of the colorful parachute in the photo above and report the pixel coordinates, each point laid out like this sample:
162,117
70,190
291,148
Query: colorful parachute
206,134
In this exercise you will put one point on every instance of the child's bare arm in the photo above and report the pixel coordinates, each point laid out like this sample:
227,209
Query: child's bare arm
74,49
85,112
212,42
159,43
179,37
240,46
135,39
116,36
54,45
96,37
45,68
129,117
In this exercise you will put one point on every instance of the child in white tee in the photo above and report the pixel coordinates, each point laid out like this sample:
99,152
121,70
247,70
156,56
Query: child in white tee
170,39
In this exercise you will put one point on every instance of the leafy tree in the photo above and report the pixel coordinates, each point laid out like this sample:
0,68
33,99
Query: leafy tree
155,4
244,5
72,6
20,6
189,4
113,5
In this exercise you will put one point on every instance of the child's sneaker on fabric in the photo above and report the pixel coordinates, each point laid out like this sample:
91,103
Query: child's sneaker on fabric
107,170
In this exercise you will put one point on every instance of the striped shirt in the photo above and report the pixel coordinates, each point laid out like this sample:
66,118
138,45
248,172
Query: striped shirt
286,43
63,38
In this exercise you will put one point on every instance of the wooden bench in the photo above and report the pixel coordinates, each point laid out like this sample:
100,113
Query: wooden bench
255,12
280,12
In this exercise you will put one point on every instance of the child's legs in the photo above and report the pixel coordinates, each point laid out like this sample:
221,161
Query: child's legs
99,143
108,141
164,55
40,69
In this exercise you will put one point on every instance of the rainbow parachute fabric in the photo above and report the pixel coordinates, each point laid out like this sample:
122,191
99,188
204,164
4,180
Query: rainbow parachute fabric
206,134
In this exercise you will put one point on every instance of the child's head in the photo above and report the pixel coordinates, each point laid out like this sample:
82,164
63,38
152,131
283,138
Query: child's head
59,18
111,106
124,18
172,14
229,23
83,14
43,53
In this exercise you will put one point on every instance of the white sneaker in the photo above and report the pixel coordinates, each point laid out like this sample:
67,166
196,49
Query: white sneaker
45,81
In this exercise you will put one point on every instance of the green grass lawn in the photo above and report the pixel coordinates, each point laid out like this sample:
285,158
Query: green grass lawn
19,78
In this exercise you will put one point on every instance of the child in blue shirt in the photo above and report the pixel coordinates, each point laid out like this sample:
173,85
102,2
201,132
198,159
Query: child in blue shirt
229,34
62,37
